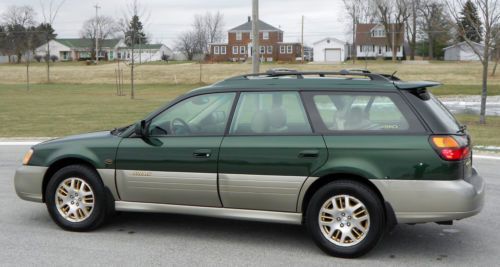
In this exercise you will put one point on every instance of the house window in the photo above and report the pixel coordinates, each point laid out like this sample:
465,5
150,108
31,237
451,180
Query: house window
235,50
265,35
223,50
242,50
269,49
282,49
262,49
239,36
289,49
216,50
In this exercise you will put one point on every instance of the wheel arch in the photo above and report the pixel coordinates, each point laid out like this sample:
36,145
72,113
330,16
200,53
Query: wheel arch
325,179
61,163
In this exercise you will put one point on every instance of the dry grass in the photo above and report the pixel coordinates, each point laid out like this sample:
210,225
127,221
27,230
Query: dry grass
455,73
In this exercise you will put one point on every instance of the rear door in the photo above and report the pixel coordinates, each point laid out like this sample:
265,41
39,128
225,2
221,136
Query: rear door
269,152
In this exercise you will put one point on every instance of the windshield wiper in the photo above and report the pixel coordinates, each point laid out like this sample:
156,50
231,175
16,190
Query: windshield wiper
120,130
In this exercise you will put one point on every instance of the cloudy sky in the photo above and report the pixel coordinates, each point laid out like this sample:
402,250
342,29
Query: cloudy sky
168,18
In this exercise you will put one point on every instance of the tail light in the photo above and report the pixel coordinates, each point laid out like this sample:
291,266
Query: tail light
451,147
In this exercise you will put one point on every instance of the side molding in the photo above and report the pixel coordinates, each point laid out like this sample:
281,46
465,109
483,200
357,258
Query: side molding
239,214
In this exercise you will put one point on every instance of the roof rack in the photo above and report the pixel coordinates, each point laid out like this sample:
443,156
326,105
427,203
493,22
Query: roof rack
276,73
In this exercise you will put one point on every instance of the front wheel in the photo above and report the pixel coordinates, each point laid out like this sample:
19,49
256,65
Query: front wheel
345,219
76,198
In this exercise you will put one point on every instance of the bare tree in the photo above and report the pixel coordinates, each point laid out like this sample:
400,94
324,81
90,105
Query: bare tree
393,15
497,48
208,29
19,15
188,45
131,26
101,27
489,11
434,24
19,21
358,11
50,9
411,27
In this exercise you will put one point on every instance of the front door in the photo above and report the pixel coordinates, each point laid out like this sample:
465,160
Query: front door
269,152
177,164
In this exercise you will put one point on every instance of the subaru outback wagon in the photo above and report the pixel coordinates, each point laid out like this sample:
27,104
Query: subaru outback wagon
348,154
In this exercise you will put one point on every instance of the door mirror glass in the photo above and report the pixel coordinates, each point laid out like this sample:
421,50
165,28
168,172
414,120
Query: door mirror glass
141,129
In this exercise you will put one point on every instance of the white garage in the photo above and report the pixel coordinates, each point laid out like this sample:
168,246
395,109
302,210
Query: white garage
330,50
462,52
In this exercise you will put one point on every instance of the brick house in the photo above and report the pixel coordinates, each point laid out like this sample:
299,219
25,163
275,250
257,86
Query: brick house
374,41
239,45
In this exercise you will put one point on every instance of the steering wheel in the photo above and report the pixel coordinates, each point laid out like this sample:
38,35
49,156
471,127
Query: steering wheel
184,126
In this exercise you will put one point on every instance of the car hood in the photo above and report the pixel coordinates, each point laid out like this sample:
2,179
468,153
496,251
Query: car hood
78,137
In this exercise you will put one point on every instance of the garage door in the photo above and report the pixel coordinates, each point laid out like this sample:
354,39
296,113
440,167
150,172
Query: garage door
332,55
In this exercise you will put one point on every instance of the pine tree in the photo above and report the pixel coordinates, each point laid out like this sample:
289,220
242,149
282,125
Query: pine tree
470,23
135,26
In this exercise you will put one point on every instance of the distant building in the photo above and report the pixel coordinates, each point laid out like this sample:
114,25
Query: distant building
145,53
330,50
75,49
463,52
239,45
375,41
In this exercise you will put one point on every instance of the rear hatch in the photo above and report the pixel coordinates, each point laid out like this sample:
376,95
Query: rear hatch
449,138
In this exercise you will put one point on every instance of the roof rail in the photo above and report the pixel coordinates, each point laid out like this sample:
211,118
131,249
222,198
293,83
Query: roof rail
275,73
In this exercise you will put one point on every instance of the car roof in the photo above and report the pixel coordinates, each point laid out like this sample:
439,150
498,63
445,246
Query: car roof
291,80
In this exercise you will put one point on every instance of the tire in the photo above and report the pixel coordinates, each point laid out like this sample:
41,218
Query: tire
86,205
339,223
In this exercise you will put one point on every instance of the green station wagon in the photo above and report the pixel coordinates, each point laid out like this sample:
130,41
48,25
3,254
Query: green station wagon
348,154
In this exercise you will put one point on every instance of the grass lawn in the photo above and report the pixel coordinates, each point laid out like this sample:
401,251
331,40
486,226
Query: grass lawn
62,109
482,134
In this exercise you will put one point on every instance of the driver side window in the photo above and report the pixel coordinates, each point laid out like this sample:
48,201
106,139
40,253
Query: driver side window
198,115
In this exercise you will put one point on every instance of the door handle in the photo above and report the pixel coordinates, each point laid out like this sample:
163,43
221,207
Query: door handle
202,153
309,154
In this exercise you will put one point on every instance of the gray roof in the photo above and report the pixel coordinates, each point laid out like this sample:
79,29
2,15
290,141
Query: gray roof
247,27
87,43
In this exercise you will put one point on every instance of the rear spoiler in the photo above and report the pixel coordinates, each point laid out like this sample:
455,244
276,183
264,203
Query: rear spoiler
415,85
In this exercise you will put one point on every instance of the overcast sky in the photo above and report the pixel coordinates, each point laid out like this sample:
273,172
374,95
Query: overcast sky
168,18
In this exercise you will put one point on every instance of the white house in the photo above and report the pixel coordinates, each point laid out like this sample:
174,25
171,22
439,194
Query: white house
375,41
462,52
74,49
330,50
145,53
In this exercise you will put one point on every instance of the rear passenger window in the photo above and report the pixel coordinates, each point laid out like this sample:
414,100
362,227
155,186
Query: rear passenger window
270,113
362,112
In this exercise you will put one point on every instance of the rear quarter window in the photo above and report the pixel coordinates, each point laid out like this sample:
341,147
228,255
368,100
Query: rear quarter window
362,112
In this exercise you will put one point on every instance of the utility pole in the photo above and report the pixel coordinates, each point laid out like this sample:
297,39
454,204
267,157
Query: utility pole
255,33
393,43
353,56
96,34
302,41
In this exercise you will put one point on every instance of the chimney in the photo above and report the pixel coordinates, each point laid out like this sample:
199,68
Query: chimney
249,18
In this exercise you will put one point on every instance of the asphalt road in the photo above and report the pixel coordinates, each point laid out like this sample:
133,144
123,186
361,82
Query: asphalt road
29,237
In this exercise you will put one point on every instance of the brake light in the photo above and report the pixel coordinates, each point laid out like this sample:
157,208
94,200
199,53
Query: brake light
451,148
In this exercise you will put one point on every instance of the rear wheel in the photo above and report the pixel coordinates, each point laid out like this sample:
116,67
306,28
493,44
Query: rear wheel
76,198
345,218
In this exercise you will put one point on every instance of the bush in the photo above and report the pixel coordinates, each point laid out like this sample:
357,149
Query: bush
54,58
38,58
165,58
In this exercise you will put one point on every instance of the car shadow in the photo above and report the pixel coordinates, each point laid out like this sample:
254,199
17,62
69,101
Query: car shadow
429,240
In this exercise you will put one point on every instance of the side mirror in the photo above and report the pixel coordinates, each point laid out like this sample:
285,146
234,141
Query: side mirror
141,129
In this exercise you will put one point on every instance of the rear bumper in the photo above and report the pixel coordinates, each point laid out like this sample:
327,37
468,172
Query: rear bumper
28,182
433,201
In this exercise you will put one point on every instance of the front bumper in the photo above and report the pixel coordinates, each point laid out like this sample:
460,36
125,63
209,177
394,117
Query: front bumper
434,201
28,182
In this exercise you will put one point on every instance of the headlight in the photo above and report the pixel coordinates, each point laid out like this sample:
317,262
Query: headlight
27,157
